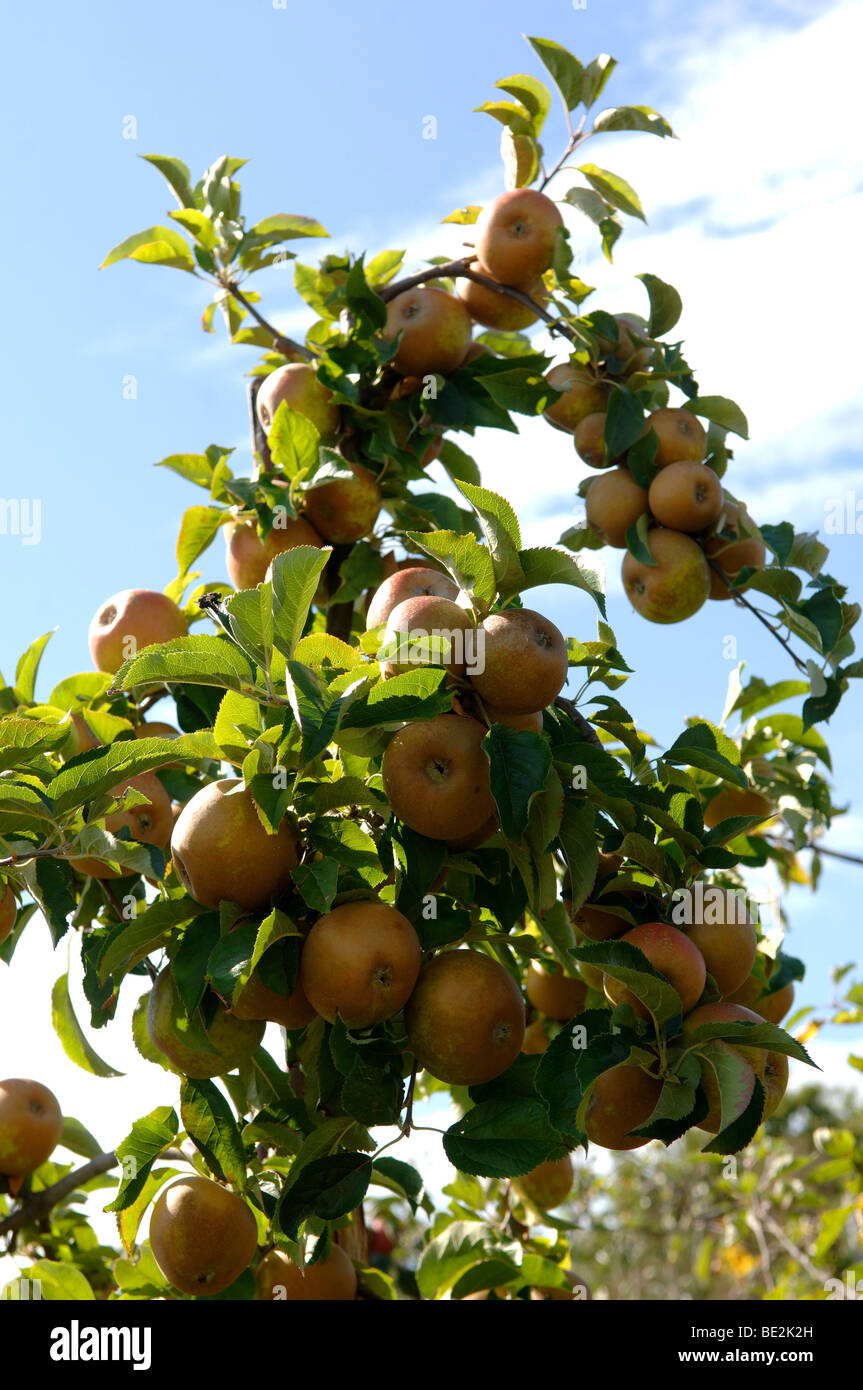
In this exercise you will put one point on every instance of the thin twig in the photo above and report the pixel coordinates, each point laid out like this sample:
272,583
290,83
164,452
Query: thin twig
287,346
587,729
744,603
462,270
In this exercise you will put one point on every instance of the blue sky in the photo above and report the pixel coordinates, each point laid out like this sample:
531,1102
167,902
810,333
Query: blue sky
755,214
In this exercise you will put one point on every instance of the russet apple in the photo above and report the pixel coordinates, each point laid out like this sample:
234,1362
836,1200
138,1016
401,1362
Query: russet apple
30,1126
686,496
345,509
675,586
621,1100
436,777
298,386
130,621
220,849
429,630
248,558
360,963
516,235
522,661
414,581
589,440
465,1019
583,395
671,953
149,822
501,311
332,1279
615,502
202,1235
435,327
680,435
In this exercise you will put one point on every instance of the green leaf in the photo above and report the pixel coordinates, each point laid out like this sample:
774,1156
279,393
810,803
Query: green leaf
284,226
666,306
28,666
418,694
71,1036
624,422
79,1140
58,1281
156,245
296,575
177,176
706,747
200,659
614,189
130,942
564,67
328,1188
381,268
466,560
139,1150
510,114
632,118
533,95
722,412
200,226
520,763
589,202
129,1219
502,1139
596,74
546,565
101,771
198,528
210,1124
630,966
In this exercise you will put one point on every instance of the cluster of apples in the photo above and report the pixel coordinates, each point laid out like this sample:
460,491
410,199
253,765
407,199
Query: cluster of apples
435,773
724,944
694,538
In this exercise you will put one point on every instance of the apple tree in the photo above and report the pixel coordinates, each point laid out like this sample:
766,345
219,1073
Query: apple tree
395,809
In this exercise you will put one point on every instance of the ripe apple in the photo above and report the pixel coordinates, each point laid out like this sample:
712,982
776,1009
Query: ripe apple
773,1007
555,995
150,823
523,660
130,621
436,329
298,386
673,955
360,962
30,1126
735,801
202,1236
328,1280
221,851
732,555
680,435
726,939
582,396
536,1040
548,1185
516,235
479,837
531,722
8,910
724,1012
465,1019
675,586
589,440
614,502
346,509
232,1040
429,630
475,350
81,738
501,311
774,1080
414,581
686,496
247,557
436,777
260,1003
621,1100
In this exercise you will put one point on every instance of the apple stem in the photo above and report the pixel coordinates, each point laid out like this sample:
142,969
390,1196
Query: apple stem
286,346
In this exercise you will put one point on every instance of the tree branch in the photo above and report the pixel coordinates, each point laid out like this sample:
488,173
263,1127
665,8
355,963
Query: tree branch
287,346
587,730
39,1204
461,270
